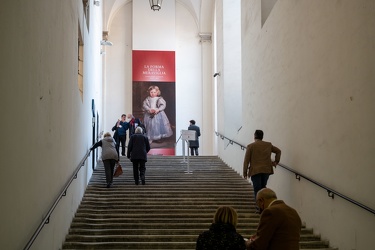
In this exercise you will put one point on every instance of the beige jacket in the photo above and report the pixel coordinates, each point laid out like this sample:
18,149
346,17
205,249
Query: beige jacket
258,158
279,228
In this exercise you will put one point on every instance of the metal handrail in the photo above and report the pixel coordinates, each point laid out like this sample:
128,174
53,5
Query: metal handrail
178,139
331,192
62,193
230,140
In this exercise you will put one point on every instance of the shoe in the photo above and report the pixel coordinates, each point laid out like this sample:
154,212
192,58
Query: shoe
136,183
109,185
143,183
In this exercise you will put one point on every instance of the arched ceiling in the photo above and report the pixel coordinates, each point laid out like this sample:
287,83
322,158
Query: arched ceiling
201,10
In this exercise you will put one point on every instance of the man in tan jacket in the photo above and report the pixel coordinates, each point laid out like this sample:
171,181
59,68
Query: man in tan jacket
257,163
279,225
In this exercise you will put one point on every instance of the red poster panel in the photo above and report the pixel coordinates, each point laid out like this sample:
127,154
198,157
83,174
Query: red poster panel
154,98
154,66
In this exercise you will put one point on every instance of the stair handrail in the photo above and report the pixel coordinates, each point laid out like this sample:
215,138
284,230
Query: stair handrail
178,139
331,192
62,193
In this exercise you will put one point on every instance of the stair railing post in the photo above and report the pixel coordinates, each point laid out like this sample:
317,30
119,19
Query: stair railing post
183,149
188,162
187,135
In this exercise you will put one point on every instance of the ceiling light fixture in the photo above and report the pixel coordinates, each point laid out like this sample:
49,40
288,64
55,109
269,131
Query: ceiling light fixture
155,4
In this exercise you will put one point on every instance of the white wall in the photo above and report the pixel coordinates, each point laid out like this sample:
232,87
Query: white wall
231,68
188,75
229,96
308,82
46,126
118,67
157,31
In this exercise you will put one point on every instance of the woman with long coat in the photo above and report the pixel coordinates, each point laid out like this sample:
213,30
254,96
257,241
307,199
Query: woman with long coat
109,156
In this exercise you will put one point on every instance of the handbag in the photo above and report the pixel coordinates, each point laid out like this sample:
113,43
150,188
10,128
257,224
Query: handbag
118,171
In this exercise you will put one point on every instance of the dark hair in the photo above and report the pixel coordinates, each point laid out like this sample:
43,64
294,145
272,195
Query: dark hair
123,115
192,121
258,134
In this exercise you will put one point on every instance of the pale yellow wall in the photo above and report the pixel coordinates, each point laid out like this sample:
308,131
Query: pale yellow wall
46,127
308,82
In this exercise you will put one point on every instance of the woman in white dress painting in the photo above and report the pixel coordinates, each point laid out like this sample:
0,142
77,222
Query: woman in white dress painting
155,119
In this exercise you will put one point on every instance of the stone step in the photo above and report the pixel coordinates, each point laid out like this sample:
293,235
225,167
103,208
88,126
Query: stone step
159,214
305,233
305,241
161,245
150,225
160,207
170,211
129,208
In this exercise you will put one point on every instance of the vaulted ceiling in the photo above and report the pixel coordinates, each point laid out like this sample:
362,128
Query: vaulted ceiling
201,10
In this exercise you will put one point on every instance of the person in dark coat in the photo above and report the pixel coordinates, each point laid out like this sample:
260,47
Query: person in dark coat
222,233
109,156
134,123
138,148
194,144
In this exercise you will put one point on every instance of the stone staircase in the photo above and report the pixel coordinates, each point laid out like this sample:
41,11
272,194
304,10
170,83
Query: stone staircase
170,211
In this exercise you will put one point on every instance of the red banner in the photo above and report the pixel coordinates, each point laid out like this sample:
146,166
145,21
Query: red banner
154,66
154,80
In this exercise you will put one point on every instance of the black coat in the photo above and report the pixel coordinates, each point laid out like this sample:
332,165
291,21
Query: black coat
220,236
115,135
138,147
132,126
195,143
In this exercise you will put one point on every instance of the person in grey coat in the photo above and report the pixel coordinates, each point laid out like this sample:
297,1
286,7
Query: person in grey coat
138,148
109,156
194,144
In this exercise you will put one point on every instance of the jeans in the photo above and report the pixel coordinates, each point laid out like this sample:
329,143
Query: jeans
259,182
